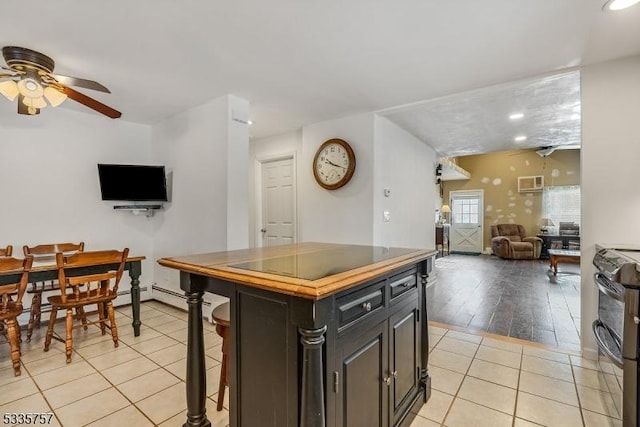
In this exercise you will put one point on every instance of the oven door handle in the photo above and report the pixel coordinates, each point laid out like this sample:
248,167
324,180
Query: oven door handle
596,325
606,289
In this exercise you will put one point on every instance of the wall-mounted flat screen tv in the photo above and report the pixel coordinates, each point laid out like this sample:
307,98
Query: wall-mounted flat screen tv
135,183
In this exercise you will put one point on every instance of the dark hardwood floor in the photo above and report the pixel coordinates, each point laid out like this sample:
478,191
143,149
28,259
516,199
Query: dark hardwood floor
515,298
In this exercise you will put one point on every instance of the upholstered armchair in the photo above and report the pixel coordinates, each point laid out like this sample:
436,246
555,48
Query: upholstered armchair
510,241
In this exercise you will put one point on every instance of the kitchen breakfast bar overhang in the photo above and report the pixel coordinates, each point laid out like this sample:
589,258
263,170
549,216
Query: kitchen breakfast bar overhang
321,334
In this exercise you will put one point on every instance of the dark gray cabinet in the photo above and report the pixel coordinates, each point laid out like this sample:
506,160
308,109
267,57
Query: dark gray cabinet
378,365
404,344
361,393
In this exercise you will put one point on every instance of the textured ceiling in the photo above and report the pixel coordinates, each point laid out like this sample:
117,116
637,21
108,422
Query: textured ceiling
478,121
301,62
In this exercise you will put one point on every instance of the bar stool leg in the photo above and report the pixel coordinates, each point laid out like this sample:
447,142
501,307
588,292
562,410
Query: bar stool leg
223,331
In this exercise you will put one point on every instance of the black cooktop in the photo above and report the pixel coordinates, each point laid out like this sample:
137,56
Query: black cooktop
316,265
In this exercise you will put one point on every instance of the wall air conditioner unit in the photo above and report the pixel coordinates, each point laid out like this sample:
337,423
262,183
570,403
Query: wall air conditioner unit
530,183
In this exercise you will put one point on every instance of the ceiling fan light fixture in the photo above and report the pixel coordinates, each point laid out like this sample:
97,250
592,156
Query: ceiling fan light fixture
614,5
30,88
34,102
54,96
9,89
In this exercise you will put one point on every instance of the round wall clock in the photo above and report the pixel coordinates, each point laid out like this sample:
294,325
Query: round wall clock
334,164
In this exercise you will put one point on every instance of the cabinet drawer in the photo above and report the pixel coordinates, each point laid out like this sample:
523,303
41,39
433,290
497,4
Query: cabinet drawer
358,304
402,283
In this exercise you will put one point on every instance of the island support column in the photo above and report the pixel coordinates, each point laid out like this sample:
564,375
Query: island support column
196,372
312,408
135,269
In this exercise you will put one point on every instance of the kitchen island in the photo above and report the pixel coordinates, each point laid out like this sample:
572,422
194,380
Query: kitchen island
321,334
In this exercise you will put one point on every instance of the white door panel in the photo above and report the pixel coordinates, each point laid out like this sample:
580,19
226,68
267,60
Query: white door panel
278,203
466,221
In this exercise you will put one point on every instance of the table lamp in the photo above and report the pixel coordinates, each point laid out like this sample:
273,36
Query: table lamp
544,224
445,210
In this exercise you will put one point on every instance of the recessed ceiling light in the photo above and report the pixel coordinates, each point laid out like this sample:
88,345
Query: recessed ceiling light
618,4
516,116
520,138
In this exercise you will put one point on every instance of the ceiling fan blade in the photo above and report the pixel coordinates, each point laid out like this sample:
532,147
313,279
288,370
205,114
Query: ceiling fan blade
75,81
23,109
91,103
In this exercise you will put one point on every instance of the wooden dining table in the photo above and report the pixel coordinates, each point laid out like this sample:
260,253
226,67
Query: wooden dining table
45,269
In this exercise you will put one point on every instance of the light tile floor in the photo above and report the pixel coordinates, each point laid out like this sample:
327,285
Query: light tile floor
477,380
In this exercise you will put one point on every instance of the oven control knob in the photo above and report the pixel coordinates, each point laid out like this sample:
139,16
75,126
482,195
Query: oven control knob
636,320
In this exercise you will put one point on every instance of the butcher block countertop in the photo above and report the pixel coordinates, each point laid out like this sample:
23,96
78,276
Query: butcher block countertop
307,270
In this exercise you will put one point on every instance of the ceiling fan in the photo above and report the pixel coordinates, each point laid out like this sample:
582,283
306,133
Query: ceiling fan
30,78
547,150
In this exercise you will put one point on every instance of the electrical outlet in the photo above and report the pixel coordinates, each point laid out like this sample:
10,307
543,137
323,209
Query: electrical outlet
386,216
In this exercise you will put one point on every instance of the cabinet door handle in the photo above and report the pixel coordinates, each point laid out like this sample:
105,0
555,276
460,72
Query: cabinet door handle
387,380
366,306
394,374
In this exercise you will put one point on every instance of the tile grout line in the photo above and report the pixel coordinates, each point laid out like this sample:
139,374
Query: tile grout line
129,379
455,396
112,385
575,386
515,404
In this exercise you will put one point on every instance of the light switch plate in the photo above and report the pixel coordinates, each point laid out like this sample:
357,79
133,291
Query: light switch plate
386,216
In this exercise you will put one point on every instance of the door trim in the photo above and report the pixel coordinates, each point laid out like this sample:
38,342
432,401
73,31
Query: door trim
258,165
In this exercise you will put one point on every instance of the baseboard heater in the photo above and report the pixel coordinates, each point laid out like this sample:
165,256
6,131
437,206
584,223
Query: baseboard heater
175,294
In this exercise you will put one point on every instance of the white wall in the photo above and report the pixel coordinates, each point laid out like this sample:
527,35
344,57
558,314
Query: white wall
404,165
610,173
264,149
237,144
386,157
206,153
342,215
50,191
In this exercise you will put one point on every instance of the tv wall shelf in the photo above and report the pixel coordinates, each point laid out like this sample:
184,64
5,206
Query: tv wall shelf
148,210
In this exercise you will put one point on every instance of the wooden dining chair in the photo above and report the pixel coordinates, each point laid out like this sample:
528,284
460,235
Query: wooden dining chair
45,252
5,252
11,302
79,287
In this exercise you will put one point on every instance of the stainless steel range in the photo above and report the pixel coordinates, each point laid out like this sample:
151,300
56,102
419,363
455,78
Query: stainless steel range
616,329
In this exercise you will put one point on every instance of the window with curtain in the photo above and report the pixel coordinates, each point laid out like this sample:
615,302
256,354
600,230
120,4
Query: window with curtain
561,204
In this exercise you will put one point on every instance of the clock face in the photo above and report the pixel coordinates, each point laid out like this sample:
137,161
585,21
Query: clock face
334,164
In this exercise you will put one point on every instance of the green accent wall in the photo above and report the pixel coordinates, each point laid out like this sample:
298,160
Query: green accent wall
497,174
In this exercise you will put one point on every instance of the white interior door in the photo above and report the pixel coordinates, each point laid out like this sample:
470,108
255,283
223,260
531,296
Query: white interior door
466,221
278,203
